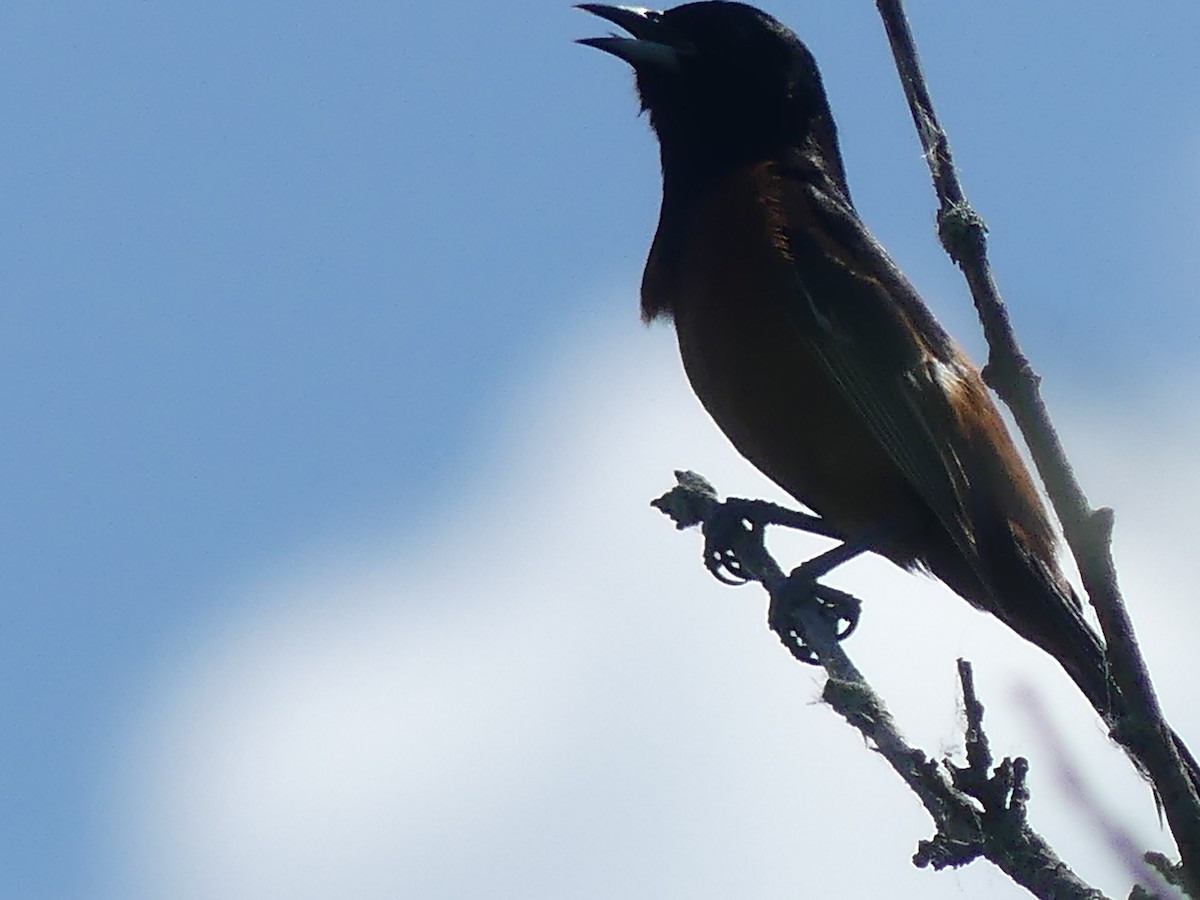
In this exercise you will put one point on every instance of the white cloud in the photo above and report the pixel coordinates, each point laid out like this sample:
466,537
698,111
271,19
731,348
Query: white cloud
548,697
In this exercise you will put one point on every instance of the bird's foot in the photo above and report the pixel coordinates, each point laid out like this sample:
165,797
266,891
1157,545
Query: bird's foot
801,587
733,542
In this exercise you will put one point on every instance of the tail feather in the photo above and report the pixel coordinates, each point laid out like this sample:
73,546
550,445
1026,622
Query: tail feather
1189,761
1050,615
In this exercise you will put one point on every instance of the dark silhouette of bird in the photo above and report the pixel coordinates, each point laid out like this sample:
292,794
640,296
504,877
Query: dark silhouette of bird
806,344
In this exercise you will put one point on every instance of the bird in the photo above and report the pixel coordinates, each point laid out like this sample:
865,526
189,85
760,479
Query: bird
810,349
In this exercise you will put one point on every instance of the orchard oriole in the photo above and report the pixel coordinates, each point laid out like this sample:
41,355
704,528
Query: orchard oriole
806,344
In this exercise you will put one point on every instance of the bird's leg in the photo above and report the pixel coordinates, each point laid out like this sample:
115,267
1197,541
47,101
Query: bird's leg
734,552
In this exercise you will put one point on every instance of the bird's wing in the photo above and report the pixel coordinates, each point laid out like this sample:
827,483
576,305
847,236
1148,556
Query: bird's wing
882,347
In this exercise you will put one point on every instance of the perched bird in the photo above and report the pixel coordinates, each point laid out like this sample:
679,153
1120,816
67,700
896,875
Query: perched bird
806,344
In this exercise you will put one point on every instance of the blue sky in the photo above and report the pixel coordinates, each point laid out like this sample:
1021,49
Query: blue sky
310,313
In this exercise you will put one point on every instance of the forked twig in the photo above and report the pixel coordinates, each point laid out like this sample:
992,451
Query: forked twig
978,811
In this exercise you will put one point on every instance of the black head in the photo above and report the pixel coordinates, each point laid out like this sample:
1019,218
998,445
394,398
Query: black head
725,84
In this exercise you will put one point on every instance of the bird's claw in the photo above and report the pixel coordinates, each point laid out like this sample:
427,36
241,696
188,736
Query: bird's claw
724,566
735,554
841,608
728,534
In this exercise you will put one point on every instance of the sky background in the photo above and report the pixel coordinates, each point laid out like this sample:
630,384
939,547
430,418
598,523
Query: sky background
326,568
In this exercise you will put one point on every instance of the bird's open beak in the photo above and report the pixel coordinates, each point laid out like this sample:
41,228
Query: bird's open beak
652,44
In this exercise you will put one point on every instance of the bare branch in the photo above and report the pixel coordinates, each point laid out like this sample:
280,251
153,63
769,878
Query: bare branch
1144,730
977,811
